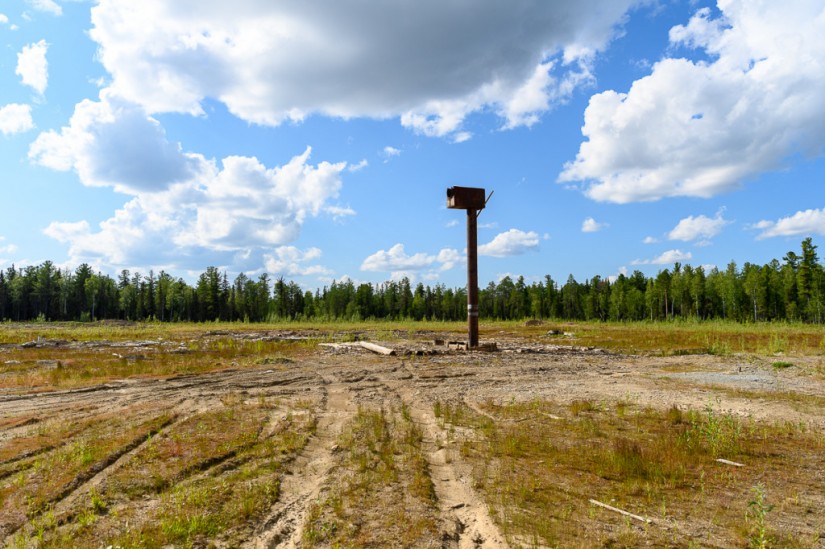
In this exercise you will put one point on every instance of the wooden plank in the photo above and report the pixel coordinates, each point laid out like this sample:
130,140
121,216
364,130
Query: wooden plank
377,348
616,510
728,462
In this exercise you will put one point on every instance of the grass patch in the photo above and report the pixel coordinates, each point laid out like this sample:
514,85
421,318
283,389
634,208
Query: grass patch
538,474
36,483
383,481
203,479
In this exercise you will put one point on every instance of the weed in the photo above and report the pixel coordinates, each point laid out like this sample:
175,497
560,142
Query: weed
758,509
579,406
712,432
674,415
781,365
97,504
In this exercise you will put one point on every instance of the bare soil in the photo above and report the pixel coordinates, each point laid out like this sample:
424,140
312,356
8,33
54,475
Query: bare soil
419,374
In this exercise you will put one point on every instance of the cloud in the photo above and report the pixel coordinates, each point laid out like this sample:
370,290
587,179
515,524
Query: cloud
452,223
430,63
32,66
801,223
509,243
232,215
359,166
48,6
397,260
650,240
338,212
389,152
667,258
107,143
4,20
615,277
590,225
7,248
540,92
15,118
700,128
692,228
448,257
290,261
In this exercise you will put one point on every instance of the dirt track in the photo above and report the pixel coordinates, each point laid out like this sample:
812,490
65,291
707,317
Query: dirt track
340,380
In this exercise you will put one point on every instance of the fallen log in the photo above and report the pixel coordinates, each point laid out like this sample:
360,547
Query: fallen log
377,348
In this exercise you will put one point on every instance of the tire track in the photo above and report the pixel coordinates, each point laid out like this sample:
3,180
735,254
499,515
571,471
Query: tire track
307,473
465,518
63,500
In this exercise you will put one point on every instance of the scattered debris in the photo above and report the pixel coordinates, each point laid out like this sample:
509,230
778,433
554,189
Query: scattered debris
616,510
728,462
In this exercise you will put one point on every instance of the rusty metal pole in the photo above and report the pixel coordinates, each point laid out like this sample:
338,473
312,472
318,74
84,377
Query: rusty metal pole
472,278
471,199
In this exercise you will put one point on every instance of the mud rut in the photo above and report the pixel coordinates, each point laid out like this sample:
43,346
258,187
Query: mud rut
340,382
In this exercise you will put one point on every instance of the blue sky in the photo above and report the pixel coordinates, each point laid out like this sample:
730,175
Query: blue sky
315,141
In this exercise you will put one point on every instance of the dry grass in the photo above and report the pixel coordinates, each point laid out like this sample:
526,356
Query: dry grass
384,496
539,473
47,369
680,337
201,478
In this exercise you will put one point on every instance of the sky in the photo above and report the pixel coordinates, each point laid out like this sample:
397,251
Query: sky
316,140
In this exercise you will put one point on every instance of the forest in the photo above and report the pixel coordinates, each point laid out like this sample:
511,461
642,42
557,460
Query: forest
790,290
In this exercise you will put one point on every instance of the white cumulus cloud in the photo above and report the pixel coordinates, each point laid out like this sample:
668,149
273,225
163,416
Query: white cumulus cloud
291,261
15,118
509,243
590,225
692,228
32,66
358,166
234,215
48,6
397,260
805,222
667,258
339,212
699,128
108,142
6,248
429,62
184,209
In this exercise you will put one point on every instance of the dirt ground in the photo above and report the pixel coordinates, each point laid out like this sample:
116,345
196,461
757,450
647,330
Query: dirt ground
420,372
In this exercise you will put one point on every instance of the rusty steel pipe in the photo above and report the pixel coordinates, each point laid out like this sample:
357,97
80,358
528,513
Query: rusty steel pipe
472,278
473,200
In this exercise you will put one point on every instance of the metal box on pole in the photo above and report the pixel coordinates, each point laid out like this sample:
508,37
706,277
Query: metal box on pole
465,198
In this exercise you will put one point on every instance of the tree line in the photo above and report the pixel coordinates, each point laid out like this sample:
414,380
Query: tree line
790,290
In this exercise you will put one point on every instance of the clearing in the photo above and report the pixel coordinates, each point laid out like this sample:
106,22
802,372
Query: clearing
260,436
